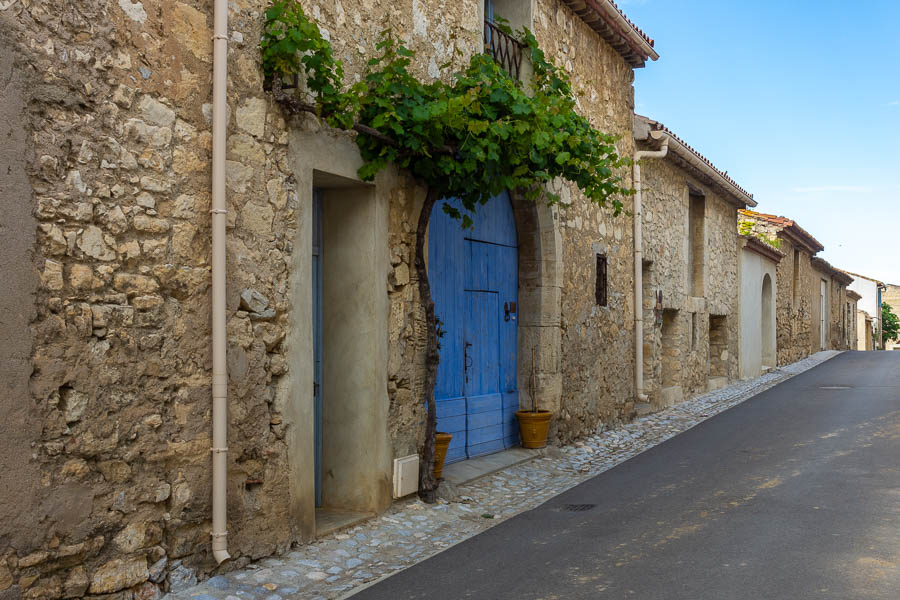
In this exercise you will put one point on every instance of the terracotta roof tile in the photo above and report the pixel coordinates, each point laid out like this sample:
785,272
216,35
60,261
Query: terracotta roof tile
785,223
657,126
640,31
626,38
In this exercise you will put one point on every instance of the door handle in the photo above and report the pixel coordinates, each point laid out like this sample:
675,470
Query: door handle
509,308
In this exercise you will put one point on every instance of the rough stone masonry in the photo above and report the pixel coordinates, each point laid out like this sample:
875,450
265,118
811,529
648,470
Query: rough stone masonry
105,122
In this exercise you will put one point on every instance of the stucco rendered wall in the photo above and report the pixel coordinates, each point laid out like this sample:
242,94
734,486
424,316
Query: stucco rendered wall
754,268
25,500
666,196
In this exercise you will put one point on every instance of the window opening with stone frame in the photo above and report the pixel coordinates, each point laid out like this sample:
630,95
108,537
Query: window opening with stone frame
696,243
671,348
718,345
600,289
848,325
695,331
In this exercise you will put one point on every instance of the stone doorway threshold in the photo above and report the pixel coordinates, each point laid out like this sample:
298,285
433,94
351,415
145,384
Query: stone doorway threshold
465,471
331,520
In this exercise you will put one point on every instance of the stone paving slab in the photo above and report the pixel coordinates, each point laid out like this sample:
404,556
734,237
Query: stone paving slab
410,531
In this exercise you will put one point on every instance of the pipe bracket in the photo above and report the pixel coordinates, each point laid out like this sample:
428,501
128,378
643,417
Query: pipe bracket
217,450
218,211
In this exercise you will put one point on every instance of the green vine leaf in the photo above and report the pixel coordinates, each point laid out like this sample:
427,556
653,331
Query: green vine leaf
470,136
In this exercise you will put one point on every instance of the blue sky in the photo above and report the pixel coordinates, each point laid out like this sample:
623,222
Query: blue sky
799,101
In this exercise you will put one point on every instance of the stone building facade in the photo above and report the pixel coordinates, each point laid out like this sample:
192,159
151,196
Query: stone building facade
690,270
865,334
835,311
854,298
106,240
795,283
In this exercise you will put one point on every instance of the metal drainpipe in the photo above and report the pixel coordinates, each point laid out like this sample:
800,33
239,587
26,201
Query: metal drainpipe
219,374
640,396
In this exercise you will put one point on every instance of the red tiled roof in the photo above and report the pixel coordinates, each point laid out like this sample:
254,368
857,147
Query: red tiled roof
635,46
640,31
657,126
789,224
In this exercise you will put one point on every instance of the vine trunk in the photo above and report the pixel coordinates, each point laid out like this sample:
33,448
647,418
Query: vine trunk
427,483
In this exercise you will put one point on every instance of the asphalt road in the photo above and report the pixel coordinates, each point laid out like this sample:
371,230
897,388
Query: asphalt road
793,494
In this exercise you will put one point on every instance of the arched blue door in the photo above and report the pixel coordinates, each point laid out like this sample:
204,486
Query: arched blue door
474,282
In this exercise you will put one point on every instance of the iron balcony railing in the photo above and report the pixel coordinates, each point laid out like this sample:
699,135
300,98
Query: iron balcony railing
504,48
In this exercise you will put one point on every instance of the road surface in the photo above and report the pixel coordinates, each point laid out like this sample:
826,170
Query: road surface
793,494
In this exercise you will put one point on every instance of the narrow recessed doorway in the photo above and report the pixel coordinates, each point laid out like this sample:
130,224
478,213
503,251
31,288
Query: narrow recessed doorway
317,337
767,324
349,357
823,313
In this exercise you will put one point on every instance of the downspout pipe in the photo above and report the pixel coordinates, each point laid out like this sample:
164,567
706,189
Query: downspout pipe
219,374
639,394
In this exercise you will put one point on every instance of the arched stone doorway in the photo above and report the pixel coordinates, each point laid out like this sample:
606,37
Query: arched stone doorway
767,323
496,289
540,298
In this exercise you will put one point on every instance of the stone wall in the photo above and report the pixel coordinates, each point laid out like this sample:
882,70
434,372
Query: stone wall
796,291
794,303
117,113
111,101
678,356
596,342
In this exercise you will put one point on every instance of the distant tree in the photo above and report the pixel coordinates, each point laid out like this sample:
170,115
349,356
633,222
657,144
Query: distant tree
890,323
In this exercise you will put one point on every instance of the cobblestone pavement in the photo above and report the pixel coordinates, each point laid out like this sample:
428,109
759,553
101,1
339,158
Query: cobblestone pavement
411,531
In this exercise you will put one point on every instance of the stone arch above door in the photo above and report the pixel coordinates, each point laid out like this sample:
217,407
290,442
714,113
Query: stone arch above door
540,293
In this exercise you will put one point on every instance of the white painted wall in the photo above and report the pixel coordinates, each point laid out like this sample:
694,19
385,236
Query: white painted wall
753,269
868,289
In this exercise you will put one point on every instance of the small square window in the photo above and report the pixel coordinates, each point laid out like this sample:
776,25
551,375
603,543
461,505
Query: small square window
600,290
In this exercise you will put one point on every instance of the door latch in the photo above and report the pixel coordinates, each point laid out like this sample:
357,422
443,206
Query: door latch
509,311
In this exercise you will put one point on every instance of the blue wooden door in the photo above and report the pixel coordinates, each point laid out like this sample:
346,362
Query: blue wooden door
317,337
474,283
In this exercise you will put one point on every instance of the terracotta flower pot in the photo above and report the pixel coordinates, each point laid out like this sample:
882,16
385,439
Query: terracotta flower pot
533,427
441,443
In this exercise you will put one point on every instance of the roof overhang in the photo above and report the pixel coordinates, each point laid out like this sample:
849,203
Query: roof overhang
758,246
823,265
789,230
853,295
798,237
611,24
880,284
692,161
